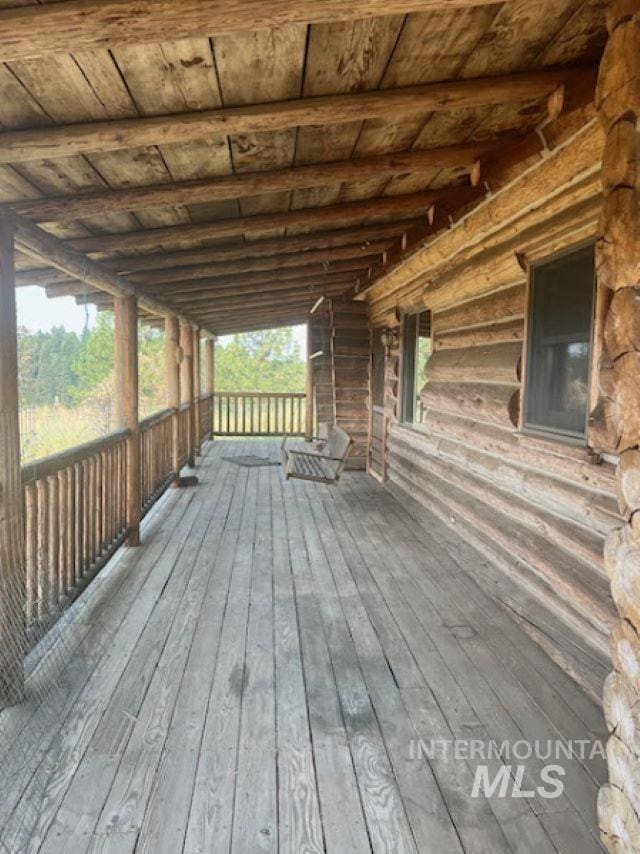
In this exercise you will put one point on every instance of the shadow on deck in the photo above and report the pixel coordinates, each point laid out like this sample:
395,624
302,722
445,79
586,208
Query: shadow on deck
286,666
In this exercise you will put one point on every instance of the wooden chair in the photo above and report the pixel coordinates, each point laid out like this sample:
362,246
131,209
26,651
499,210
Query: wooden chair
323,466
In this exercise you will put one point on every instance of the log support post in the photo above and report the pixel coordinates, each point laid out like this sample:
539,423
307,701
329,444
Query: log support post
210,379
186,387
12,583
197,391
308,430
126,338
618,272
172,372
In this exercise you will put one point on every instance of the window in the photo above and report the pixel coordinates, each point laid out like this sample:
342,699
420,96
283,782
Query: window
416,349
377,369
559,344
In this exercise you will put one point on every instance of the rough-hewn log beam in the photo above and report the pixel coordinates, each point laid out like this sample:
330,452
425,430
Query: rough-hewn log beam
251,183
249,280
209,365
238,301
126,345
235,322
370,210
76,25
217,288
172,379
36,243
165,282
571,165
196,390
350,239
248,303
12,591
186,387
84,138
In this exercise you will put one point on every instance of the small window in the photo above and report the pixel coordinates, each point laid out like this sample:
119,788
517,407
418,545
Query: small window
377,369
416,349
559,344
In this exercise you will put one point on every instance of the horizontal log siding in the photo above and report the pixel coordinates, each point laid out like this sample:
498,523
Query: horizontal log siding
538,509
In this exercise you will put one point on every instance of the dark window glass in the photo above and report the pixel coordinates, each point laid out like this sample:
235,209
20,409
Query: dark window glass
559,344
416,349
377,369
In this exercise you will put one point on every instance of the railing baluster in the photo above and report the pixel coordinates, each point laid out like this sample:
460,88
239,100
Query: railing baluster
79,514
43,547
52,547
62,534
71,528
31,550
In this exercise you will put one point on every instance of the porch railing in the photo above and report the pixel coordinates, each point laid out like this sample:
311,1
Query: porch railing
74,521
183,432
205,416
156,470
75,508
243,413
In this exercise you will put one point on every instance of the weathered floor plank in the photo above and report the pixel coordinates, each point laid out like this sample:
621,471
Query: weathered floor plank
258,675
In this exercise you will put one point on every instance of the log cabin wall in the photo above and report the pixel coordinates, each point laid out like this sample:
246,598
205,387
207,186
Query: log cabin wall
321,347
538,509
351,343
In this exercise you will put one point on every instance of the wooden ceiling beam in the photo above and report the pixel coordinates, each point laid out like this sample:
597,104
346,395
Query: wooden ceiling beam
330,241
247,303
36,243
319,261
251,278
249,184
74,25
410,206
235,285
229,326
302,286
20,146
241,305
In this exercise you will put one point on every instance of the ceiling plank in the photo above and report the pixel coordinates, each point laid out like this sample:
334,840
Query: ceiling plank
371,209
251,183
21,146
74,25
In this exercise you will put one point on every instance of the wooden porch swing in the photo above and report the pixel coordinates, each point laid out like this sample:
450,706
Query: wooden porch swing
313,463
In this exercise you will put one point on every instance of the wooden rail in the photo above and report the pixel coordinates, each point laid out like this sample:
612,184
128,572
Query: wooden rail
183,433
74,521
75,508
156,471
244,413
205,417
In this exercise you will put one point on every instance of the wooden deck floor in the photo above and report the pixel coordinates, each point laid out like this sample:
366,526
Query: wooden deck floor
255,677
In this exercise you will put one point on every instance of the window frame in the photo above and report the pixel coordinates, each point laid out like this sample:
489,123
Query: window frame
403,365
377,350
529,429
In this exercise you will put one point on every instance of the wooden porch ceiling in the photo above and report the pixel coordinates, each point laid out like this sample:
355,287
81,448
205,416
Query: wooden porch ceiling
235,161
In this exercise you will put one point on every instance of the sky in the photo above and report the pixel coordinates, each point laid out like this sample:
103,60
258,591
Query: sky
38,312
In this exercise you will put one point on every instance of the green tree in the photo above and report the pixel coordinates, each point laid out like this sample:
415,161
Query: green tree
96,359
46,363
268,360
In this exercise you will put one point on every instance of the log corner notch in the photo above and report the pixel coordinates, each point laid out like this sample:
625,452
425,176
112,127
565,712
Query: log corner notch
618,273
12,635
